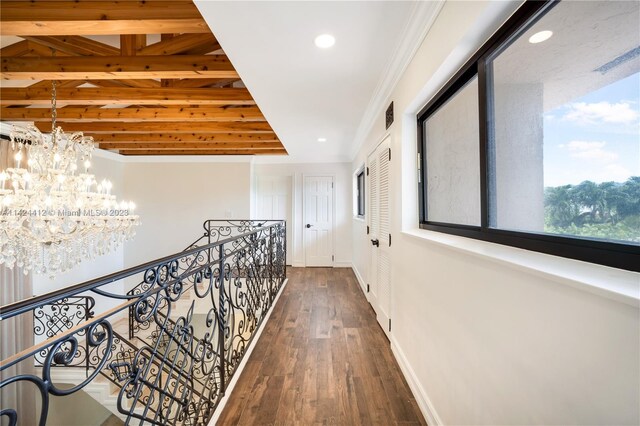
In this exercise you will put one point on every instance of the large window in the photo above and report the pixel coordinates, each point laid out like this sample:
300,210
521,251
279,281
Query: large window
535,142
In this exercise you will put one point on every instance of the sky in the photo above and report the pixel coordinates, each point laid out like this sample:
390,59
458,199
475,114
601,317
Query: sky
595,137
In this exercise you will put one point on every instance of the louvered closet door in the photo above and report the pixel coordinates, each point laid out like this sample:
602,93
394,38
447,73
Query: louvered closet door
374,225
379,231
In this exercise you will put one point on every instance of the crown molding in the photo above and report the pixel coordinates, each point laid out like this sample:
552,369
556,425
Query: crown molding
423,15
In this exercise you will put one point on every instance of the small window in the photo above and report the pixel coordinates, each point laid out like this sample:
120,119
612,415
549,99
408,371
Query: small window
360,193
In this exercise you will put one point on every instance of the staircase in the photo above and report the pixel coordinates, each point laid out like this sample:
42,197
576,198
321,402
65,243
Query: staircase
99,389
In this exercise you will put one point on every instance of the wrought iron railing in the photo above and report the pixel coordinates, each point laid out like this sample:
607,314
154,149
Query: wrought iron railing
202,306
214,231
59,316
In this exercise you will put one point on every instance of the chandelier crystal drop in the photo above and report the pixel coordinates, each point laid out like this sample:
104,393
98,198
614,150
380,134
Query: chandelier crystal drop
53,212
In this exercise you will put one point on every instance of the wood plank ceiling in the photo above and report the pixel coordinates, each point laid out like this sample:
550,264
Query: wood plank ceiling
178,95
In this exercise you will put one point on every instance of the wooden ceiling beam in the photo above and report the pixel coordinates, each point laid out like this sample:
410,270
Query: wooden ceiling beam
16,49
173,113
132,138
209,146
38,17
117,67
131,43
73,10
165,38
203,82
38,50
127,96
167,126
74,45
125,83
46,84
97,27
181,44
206,152
204,49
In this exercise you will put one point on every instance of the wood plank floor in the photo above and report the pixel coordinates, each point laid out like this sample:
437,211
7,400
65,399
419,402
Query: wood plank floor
322,359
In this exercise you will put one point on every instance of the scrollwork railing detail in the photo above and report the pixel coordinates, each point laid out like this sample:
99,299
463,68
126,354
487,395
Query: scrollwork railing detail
62,315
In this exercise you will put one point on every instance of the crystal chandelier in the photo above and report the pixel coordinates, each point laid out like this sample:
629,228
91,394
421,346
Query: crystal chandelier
53,212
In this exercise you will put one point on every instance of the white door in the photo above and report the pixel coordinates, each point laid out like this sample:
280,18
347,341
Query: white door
318,220
380,233
274,203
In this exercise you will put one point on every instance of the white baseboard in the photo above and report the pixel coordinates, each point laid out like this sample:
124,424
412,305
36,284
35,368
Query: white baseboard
429,412
335,265
363,285
245,359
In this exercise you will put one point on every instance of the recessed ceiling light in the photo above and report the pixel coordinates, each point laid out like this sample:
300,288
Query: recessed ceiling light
322,139
325,41
540,37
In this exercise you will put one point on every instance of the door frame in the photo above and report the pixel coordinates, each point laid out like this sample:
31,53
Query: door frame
304,215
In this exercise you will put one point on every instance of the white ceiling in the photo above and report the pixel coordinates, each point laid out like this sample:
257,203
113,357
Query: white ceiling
306,92
567,73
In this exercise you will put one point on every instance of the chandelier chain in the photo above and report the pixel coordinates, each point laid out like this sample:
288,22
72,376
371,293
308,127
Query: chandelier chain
54,113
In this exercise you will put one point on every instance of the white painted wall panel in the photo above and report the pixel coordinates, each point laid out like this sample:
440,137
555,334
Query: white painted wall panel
174,199
274,201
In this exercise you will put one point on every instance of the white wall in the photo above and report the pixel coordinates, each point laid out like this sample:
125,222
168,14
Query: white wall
484,340
174,199
343,204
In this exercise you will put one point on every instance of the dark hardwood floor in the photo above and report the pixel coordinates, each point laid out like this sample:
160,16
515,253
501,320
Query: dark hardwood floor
322,359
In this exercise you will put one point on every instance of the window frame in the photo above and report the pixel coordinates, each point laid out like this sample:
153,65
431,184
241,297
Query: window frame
617,255
361,193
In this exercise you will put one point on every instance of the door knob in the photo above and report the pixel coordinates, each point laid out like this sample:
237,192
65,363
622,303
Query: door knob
308,225
375,242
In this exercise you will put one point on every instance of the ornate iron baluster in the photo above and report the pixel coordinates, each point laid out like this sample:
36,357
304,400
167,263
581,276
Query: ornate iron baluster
221,319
